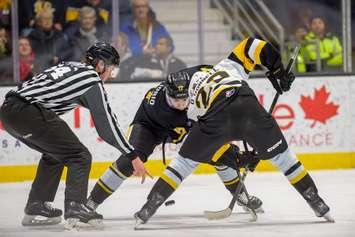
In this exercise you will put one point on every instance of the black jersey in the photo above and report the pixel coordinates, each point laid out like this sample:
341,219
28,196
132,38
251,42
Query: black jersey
63,87
155,113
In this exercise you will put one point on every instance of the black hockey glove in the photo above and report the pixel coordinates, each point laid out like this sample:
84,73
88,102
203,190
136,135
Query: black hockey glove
280,79
247,159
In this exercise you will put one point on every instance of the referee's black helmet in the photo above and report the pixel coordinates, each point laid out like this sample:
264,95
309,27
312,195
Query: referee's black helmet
103,51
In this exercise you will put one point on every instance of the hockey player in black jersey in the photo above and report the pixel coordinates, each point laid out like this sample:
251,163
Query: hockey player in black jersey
162,116
227,109
31,114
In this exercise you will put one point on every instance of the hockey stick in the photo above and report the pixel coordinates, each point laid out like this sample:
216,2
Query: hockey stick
215,215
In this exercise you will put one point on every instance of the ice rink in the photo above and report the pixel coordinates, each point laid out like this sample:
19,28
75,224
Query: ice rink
286,213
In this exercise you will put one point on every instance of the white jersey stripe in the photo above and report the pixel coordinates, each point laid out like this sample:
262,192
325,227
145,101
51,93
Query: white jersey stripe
66,90
252,48
113,129
56,85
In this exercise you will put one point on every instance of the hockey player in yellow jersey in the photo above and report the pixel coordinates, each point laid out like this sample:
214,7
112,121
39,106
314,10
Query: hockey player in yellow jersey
162,116
226,109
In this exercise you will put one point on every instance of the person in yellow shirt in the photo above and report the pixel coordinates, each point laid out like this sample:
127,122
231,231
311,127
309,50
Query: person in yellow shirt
324,45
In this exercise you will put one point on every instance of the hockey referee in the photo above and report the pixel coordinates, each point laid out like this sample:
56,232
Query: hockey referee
31,114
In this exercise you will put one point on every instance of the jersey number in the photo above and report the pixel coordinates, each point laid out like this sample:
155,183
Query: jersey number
57,72
204,94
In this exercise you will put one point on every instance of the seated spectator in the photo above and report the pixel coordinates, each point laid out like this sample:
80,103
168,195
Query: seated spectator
325,44
143,31
48,44
5,56
159,64
28,9
101,8
127,61
5,43
5,13
27,58
87,33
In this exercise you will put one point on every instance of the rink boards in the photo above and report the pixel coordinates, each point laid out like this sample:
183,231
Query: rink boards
316,117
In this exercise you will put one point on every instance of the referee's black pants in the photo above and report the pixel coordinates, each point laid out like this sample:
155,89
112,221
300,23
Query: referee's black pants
44,131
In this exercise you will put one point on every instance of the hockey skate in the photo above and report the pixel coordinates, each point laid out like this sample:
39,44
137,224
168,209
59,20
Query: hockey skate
76,213
41,213
254,203
148,210
317,204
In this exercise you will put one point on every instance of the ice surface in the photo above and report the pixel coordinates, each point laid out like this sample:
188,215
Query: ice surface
286,213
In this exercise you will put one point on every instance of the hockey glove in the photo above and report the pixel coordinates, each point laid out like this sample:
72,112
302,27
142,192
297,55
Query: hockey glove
247,159
280,79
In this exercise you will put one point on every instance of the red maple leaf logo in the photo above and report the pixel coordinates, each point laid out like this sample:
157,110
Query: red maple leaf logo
317,108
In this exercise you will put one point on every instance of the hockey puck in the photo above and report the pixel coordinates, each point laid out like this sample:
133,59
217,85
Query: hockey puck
169,203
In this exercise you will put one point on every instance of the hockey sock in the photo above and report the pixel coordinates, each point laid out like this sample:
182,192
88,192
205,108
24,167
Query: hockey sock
111,180
294,171
228,176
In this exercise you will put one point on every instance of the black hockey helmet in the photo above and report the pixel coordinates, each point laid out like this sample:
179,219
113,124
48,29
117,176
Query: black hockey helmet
177,84
104,51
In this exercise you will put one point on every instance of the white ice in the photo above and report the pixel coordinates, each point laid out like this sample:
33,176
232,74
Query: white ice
286,213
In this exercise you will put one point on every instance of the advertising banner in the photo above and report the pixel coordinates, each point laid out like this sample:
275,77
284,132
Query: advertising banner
315,116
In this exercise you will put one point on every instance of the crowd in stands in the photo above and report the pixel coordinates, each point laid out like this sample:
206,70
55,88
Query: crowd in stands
61,30
54,30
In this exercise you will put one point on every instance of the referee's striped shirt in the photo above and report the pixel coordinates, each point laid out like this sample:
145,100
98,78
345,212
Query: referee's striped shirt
63,87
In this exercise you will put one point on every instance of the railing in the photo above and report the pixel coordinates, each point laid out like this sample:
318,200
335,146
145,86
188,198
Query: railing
252,17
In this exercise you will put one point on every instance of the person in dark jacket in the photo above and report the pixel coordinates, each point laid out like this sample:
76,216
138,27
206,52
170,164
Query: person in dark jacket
48,44
159,64
87,33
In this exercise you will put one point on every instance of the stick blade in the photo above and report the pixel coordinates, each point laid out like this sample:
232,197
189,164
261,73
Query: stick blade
218,215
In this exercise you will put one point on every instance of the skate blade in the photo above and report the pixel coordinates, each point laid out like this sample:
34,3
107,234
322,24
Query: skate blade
76,224
258,210
71,223
97,224
138,223
36,220
253,213
328,217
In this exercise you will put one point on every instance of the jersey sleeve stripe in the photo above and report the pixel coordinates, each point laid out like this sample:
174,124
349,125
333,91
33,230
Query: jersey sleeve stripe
239,52
257,51
116,130
247,48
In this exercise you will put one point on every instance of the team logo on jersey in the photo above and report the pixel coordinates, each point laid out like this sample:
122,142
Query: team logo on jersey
180,88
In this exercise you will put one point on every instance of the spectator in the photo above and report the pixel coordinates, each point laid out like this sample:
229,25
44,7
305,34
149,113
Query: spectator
128,62
27,58
325,44
87,33
48,44
159,64
143,31
5,43
101,8
28,9
5,13
5,56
